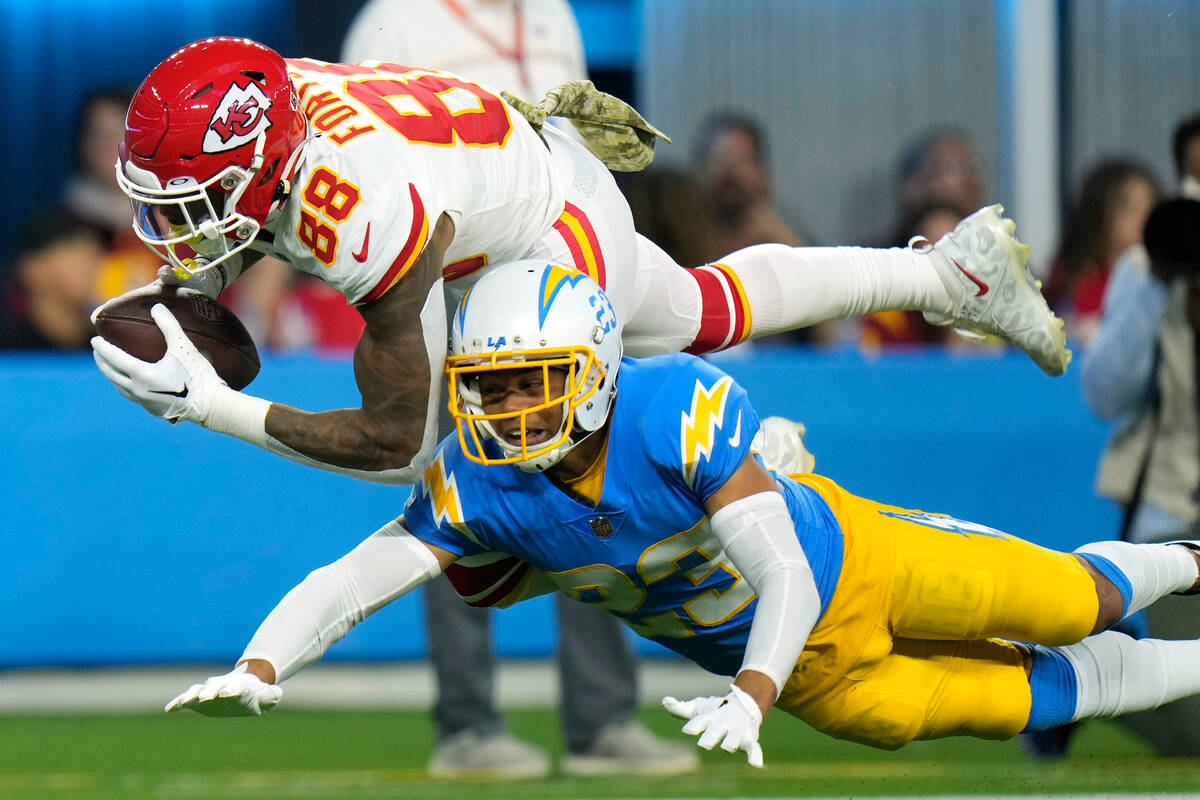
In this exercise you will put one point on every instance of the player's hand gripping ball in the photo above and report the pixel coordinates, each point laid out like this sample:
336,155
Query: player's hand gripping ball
213,329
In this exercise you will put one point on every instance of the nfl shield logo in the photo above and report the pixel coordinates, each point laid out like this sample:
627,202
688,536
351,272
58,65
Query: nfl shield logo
601,527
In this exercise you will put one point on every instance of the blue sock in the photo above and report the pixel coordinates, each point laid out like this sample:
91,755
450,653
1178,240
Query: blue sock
1054,688
1111,571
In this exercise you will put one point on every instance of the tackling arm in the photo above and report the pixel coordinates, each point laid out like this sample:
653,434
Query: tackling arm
316,613
750,518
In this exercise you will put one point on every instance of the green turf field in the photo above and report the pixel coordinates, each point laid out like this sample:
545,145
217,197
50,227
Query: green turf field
359,754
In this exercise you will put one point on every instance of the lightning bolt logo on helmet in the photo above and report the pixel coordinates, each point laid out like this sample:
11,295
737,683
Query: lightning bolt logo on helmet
555,277
240,117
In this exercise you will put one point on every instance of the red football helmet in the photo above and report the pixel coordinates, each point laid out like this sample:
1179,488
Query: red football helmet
211,137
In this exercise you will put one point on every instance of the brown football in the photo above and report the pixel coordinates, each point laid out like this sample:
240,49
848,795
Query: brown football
212,327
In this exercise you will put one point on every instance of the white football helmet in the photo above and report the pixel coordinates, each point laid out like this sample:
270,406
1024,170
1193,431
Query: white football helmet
529,314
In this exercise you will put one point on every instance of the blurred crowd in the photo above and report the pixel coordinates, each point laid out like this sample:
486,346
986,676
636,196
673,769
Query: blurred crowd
72,256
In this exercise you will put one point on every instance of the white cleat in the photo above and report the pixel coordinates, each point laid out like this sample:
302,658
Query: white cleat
983,267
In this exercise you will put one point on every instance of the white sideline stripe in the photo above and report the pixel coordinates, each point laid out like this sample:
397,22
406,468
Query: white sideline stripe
519,684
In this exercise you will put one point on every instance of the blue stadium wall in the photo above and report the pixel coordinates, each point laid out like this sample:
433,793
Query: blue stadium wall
128,540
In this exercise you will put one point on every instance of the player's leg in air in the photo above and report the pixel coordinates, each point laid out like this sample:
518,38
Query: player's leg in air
979,633
975,278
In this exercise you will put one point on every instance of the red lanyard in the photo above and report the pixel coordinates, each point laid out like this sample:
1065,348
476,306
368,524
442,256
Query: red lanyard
516,53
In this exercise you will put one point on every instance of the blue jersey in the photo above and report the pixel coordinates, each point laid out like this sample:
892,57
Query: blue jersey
680,428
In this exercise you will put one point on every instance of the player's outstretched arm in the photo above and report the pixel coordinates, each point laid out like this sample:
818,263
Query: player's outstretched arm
750,518
317,612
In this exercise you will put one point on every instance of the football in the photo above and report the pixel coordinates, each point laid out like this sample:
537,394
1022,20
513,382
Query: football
213,328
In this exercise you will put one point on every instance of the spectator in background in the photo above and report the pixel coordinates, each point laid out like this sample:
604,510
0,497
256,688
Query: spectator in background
92,196
939,166
1140,372
52,287
937,180
887,329
526,47
669,208
1185,147
1105,220
732,166
731,161
91,191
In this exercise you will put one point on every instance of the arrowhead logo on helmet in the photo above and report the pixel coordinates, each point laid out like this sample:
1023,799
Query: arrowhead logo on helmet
240,117
211,136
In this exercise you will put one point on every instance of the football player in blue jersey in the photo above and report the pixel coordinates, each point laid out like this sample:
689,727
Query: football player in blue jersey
632,484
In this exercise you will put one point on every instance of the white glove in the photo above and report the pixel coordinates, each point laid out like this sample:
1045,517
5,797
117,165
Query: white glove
234,694
180,385
733,720
154,287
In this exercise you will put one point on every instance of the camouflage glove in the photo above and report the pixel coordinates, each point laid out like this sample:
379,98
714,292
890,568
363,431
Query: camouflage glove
619,136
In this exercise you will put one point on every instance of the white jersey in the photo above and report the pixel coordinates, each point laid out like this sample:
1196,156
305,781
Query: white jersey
394,148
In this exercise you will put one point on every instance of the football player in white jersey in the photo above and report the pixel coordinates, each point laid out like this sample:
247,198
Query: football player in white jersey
400,186
808,598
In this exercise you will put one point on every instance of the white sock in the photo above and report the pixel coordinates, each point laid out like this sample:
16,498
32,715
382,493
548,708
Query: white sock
793,287
1143,572
1117,675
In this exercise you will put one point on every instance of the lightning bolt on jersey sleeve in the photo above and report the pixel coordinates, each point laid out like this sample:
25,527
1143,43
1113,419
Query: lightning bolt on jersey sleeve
435,511
699,425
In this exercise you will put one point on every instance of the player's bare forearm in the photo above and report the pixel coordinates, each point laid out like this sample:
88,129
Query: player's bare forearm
385,433
759,686
261,669
392,370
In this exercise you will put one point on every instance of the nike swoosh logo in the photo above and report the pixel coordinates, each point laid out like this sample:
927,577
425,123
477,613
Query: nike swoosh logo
181,393
983,287
361,255
736,439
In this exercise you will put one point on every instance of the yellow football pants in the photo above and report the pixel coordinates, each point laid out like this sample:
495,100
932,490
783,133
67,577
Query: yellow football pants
911,646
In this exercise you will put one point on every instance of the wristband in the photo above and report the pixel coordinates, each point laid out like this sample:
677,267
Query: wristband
238,414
